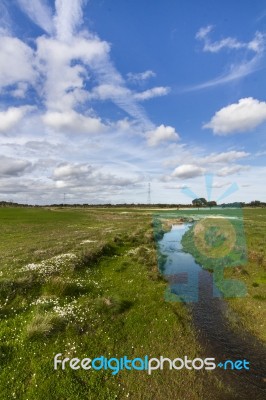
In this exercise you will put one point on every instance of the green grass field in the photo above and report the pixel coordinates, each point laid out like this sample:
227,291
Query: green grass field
251,310
85,283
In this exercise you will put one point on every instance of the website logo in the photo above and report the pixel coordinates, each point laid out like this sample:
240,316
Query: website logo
215,238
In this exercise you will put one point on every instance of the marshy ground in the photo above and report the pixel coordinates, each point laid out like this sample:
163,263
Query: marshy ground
85,283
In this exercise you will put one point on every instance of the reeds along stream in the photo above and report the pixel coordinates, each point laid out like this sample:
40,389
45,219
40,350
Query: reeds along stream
195,287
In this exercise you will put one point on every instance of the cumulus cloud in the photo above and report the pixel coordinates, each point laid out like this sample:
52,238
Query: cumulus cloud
63,62
66,78
13,167
243,116
17,60
63,82
161,134
71,121
150,93
68,60
187,171
11,117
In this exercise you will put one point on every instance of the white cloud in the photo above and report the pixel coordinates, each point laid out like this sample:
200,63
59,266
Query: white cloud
203,32
63,82
68,18
77,175
161,134
13,167
187,171
17,60
141,76
150,93
11,117
108,76
5,20
235,71
71,121
243,116
124,125
219,185
230,170
65,61
179,187
20,90
109,91
39,12
225,157
68,171
256,44
70,67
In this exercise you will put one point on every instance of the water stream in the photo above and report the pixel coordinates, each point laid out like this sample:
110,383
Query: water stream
195,287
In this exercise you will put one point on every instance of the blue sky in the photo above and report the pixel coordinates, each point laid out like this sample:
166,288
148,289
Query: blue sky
99,98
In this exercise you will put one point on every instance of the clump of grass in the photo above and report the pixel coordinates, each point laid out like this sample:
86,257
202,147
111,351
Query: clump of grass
153,262
6,288
259,297
119,240
148,237
6,353
123,266
158,231
44,325
113,305
59,287
136,237
21,286
89,258
155,274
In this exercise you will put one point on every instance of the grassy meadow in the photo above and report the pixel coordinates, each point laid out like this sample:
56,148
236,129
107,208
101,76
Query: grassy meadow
244,264
251,310
85,283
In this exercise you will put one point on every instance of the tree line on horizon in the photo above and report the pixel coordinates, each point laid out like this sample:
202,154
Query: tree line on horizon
199,203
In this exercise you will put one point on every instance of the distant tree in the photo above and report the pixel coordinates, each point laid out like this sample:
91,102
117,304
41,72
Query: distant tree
255,203
203,201
211,204
200,202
